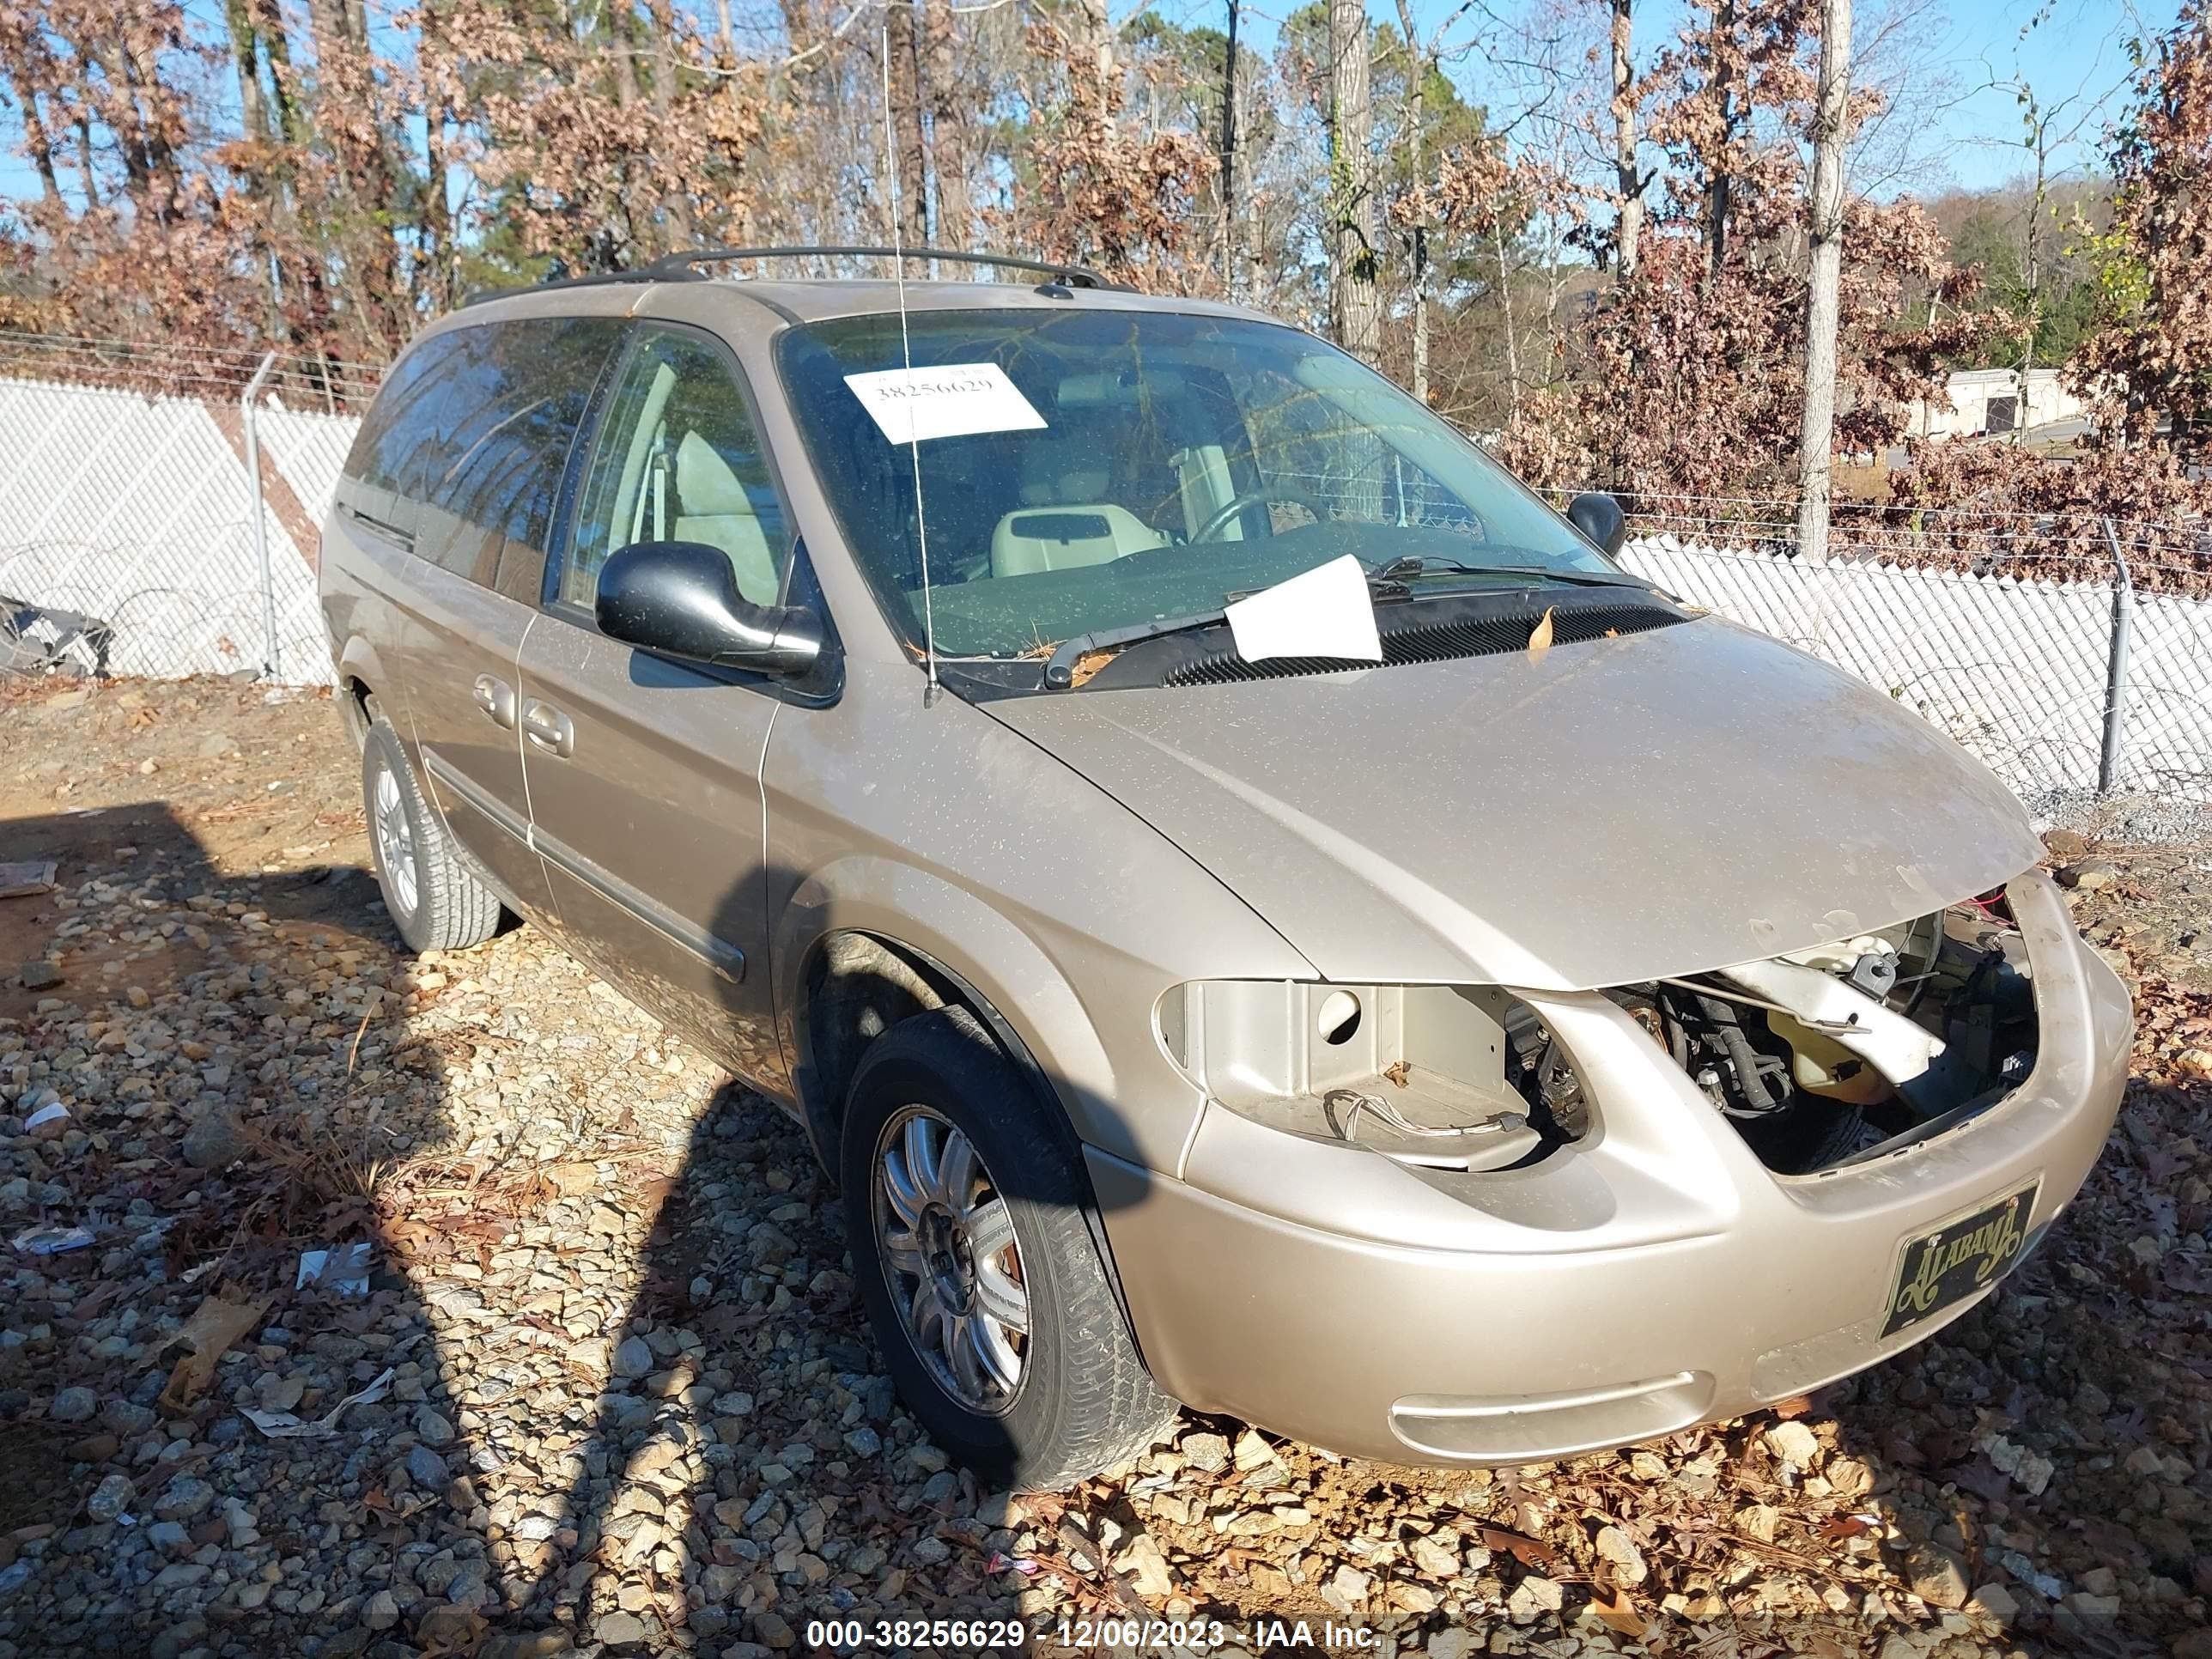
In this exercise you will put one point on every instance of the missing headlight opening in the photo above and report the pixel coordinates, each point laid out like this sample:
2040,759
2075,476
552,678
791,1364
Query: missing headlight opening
1860,1047
1436,1078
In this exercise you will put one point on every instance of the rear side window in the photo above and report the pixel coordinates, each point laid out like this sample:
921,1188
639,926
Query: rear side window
489,425
393,429
678,458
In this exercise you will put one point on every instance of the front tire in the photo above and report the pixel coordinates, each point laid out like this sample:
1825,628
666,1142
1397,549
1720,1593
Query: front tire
435,900
966,1209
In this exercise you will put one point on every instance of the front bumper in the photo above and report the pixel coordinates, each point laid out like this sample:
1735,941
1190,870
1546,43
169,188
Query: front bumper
1653,1276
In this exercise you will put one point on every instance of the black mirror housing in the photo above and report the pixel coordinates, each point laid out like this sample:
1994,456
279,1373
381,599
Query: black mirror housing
681,599
1598,516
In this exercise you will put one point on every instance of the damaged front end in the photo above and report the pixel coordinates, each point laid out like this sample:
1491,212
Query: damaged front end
1818,1058
1859,1048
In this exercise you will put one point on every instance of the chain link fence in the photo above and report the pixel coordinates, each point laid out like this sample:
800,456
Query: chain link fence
135,540
2020,671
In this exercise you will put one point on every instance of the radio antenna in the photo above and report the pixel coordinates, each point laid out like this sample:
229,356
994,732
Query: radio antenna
905,350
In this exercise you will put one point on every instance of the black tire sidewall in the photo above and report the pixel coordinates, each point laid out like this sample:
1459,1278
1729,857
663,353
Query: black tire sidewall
945,1061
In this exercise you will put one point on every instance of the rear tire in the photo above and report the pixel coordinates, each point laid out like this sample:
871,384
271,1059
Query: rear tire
435,900
1015,1240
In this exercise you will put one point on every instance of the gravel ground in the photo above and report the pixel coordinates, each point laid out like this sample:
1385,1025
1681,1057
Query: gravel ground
623,1398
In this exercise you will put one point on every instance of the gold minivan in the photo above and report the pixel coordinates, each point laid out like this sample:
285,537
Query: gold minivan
1254,908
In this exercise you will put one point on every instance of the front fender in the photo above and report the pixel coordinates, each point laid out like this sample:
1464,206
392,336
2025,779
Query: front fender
905,906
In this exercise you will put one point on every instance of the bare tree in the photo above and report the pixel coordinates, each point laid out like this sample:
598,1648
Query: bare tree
1630,224
1824,290
1352,176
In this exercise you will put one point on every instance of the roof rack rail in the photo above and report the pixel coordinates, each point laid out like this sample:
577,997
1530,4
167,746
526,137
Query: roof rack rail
682,267
1075,276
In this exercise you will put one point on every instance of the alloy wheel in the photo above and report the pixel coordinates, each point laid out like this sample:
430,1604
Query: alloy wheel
951,1258
395,840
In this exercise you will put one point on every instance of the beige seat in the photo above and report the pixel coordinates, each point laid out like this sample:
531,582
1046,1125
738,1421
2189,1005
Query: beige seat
712,507
1063,525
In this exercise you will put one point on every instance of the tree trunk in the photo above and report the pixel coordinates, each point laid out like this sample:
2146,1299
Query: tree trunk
438,250
1359,312
1505,311
36,142
1417,82
1721,46
284,103
1817,442
906,123
246,54
1228,177
676,195
86,172
948,126
1629,227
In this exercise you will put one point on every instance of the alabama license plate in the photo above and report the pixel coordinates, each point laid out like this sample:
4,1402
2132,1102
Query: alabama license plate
1960,1258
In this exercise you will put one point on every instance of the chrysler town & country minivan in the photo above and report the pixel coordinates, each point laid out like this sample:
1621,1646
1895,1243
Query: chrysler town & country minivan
1253,908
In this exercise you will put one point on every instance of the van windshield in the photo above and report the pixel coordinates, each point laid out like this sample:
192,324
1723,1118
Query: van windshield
1086,470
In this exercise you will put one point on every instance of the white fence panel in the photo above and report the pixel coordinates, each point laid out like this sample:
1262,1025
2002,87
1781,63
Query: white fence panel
2014,669
137,511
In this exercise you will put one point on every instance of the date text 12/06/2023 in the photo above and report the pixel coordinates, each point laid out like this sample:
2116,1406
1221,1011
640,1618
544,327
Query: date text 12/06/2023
1076,1635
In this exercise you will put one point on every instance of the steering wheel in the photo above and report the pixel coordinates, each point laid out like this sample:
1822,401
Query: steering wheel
1250,498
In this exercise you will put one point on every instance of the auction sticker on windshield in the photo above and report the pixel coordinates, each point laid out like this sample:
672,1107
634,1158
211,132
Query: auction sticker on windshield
913,406
1960,1258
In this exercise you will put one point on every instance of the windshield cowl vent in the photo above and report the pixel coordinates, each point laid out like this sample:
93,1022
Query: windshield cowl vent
1438,640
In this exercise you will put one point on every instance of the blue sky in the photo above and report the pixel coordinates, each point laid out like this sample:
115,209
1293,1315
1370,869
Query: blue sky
1969,134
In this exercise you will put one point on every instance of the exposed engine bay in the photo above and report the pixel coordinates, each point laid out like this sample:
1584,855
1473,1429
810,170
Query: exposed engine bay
1823,1056
1818,1058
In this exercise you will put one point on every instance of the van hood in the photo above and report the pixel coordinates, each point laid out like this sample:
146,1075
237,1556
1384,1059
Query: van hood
1611,811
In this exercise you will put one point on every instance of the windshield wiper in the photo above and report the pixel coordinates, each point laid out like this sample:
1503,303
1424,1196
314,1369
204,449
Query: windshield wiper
1060,667
1411,567
1384,581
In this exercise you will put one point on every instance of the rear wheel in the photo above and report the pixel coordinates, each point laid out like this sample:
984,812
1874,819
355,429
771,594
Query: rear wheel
435,900
966,1210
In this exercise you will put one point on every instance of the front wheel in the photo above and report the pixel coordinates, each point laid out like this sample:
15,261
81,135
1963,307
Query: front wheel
966,1210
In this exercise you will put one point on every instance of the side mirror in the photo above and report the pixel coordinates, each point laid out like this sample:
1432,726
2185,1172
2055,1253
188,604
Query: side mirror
1598,516
681,599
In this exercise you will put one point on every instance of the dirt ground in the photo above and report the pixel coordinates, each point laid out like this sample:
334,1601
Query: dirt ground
631,1406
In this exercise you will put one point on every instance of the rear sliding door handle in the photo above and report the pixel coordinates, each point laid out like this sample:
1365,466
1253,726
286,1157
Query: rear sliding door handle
496,698
547,727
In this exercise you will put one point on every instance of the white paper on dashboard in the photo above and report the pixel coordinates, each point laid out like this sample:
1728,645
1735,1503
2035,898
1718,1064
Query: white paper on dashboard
1323,612
913,406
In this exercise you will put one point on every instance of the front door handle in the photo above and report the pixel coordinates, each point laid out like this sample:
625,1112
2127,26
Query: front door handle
549,729
496,698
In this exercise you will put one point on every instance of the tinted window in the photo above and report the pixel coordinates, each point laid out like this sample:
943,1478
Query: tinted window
677,459
393,429
493,421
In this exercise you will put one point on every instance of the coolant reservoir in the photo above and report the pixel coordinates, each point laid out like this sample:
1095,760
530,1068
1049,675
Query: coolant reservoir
1824,1067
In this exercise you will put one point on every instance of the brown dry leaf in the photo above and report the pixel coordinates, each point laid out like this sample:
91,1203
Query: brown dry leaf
1842,1526
1397,1071
1087,665
214,1325
413,1240
1796,1405
1617,1611
1532,1553
1540,636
